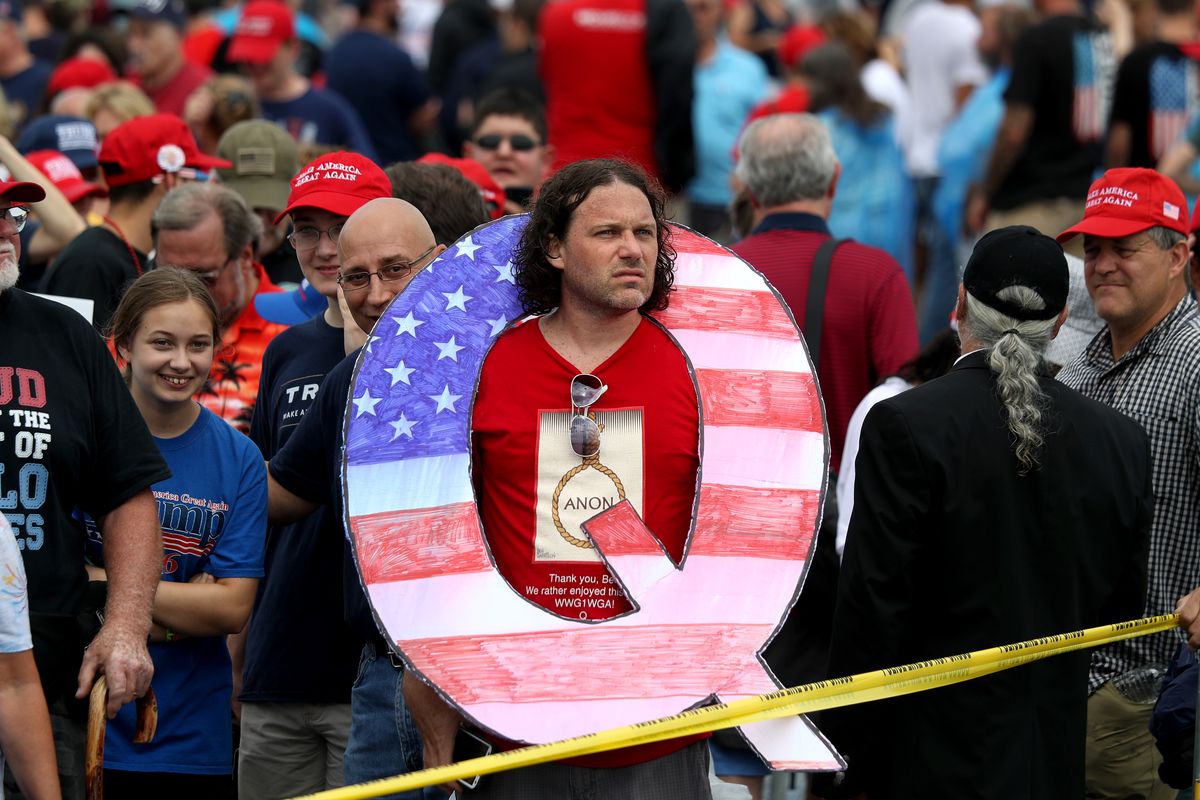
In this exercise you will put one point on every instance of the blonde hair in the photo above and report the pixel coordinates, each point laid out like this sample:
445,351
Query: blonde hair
122,99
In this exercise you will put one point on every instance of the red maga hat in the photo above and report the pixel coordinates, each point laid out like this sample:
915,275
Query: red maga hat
145,147
493,193
796,42
339,183
264,26
21,192
63,173
1129,200
86,73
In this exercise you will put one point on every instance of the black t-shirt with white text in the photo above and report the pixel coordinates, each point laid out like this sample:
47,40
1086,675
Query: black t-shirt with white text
70,437
310,466
298,648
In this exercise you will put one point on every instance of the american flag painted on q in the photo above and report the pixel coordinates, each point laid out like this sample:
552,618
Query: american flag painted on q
697,629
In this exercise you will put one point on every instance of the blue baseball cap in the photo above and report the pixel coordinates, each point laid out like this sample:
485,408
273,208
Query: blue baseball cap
290,308
74,137
172,11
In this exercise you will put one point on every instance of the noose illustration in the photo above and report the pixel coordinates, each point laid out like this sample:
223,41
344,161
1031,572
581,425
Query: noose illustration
590,462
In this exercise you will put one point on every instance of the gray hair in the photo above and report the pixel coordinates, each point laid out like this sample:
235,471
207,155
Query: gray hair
1015,351
1164,238
188,205
786,157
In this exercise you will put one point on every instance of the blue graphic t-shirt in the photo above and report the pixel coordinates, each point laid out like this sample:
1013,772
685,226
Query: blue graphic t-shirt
213,516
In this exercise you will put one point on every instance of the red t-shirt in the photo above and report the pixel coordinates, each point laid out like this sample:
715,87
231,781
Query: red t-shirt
533,494
172,95
599,94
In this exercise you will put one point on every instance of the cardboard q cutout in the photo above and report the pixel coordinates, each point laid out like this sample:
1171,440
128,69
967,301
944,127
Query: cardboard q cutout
698,629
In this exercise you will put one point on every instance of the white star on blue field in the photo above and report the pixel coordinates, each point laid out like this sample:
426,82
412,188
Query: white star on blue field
413,390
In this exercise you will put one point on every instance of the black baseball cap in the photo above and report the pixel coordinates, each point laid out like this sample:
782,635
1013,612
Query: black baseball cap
1018,256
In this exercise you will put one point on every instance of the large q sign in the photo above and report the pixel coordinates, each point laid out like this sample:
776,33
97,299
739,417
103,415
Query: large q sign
698,628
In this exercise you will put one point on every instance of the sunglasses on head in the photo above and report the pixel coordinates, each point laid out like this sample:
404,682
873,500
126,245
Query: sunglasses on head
519,142
585,433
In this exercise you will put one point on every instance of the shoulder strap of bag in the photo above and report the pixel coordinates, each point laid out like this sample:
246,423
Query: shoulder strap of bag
814,311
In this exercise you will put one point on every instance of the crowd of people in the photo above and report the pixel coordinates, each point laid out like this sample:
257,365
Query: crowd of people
975,210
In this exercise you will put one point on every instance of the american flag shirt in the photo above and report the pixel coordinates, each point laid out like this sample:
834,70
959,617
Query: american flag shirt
1157,383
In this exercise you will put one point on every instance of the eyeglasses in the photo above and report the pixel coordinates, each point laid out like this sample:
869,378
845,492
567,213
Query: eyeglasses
17,216
186,174
519,142
586,389
209,276
361,279
308,238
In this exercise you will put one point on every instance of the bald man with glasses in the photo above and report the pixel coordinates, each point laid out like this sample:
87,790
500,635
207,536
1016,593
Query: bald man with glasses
298,658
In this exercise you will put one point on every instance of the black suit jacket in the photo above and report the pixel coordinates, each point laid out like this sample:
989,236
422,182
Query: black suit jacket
950,550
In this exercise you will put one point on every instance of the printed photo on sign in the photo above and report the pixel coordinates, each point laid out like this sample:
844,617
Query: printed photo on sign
571,489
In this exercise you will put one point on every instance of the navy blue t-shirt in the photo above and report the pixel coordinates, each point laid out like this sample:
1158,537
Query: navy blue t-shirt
310,466
298,648
323,117
384,103
24,92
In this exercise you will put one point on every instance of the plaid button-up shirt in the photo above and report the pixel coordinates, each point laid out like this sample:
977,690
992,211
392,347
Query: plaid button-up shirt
1157,383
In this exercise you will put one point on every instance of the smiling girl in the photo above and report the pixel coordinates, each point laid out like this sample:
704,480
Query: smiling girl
213,516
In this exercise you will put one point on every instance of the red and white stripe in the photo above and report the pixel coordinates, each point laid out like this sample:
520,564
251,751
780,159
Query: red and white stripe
696,630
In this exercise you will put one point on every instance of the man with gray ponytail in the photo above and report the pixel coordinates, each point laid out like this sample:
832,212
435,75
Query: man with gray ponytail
1144,363
992,505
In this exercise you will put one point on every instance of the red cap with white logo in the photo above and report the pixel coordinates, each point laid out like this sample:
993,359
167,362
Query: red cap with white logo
1129,200
146,147
63,173
264,26
339,183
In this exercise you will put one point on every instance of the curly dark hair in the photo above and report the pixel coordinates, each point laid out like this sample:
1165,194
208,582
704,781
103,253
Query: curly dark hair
539,283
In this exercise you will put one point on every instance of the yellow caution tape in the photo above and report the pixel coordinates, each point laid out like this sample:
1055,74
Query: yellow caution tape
892,682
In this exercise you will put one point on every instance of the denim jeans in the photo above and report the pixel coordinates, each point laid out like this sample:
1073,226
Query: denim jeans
384,741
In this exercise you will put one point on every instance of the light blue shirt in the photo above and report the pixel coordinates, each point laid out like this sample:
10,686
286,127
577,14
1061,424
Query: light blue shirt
964,151
727,87
874,203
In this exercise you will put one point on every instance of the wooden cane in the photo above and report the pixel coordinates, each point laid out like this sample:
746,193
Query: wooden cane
147,724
